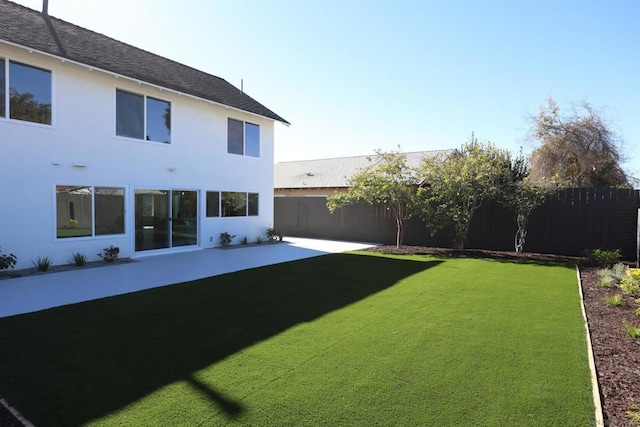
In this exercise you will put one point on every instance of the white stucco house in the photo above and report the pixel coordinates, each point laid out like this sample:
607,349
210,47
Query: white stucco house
105,144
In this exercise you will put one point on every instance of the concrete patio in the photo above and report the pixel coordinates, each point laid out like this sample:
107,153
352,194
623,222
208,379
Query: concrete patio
40,292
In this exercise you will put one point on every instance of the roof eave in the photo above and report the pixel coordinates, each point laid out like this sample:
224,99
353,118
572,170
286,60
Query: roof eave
136,80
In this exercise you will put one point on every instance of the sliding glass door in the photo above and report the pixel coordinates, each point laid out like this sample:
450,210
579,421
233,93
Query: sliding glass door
165,219
184,218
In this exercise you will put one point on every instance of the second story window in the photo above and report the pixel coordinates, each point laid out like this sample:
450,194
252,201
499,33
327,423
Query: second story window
25,92
243,138
142,117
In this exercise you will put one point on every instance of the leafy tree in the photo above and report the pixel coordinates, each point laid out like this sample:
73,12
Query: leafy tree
457,185
577,150
522,196
388,181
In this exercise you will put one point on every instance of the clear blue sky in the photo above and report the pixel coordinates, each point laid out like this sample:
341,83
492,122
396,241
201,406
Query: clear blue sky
353,76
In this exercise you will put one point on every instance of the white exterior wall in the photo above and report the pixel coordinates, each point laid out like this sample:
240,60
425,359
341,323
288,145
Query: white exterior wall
35,158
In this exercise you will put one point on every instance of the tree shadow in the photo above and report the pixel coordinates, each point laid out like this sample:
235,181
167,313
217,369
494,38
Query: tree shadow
73,364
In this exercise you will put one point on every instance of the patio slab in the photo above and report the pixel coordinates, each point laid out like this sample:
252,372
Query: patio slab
40,292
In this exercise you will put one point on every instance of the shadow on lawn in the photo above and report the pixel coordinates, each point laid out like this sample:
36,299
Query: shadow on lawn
74,364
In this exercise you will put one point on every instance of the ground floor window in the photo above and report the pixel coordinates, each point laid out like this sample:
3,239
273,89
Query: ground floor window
236,203
213,204
85,211
252,204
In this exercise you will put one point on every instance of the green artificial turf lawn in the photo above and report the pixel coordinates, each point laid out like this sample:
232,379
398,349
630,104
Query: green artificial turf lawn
345,339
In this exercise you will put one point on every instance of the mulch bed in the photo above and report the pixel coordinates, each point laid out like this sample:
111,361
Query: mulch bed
616,354
13,274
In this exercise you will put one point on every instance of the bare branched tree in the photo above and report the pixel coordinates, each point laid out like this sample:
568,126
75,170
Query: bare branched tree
578,150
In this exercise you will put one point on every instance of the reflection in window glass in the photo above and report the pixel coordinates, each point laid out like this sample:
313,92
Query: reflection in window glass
253,204
213,203
29,93
73,211
234,203
252,140
3,104
109,210
129,115
235,137
158,120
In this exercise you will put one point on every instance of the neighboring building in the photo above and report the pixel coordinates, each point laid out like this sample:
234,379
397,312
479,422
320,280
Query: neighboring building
106,144
326,177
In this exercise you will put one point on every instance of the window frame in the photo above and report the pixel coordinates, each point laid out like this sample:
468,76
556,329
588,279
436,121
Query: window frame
218,207
5,64
245,124
232,215
257,204
145,117
5,90
93,216
248,212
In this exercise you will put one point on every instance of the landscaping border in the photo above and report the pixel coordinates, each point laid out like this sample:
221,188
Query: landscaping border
592,363
27,272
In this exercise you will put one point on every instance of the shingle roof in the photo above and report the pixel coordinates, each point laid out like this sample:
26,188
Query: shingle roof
29,28
335,172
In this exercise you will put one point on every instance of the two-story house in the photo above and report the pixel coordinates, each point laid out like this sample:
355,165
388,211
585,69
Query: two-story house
102,144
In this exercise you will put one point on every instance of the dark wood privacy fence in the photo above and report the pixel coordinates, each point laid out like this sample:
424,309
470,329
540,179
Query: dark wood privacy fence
572,221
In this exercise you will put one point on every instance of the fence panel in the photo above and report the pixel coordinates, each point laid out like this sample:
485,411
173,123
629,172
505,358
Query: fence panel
572,221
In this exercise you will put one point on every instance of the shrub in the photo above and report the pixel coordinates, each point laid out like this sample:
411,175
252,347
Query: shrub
272,235
226,238
79,259
606,258
42,263
629,288
606,281
634,415
7,261
619,271
630,284
633,330
244,241
614,301
612,276
259,240
110,254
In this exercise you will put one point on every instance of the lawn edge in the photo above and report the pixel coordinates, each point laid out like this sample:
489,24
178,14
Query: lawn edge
17,415
595,387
